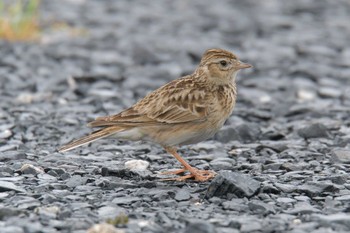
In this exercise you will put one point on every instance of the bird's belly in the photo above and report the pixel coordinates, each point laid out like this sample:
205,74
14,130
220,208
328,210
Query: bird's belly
182,134
133,134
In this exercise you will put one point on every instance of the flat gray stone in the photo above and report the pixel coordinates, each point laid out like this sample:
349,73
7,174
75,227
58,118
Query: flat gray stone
232,184
182,195
8,186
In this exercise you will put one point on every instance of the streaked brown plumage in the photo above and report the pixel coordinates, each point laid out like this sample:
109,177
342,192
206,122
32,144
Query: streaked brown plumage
185,111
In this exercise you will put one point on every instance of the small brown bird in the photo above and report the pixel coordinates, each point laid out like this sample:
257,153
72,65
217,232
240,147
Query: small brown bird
185,111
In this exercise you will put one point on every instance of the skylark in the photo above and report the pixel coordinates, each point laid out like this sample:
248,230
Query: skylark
185,111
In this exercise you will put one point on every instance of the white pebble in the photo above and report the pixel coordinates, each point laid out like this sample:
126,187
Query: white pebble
305,95
137,164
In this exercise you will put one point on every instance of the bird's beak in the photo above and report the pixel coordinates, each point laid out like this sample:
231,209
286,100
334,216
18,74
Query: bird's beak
242,65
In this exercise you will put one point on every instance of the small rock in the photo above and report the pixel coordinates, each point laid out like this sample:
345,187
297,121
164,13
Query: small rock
12,155
302,198
48,198
329,92
104,228
65,176
287,188
12,229
75,181
338,179
47,212
343,198
313,189
5,134
144,55
46,177
6,212
236,204
31,169
109,212
285,200
306,95
220,164
302,208
182,195
3,196
200,227
227,134
248,132
6,170
333,220
232,184
250,226
260,207
125,200
136,164
8,186
314,131
341,155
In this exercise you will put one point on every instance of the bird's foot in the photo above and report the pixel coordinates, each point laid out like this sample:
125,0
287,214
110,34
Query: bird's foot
196,174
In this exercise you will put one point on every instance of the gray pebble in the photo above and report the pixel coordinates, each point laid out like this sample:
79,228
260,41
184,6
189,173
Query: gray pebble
182,195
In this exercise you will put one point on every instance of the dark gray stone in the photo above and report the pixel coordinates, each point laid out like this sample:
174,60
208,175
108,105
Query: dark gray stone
227,134
248,132
7,170
6,212
316,130
313,189
200,227
260,207
232,184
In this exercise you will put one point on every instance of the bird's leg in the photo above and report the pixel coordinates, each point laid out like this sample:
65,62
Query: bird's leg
174,172
198,175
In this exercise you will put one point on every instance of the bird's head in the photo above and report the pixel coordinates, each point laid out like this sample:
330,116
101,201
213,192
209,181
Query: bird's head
221,66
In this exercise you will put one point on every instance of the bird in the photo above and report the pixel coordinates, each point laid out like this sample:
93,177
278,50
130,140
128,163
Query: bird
184,111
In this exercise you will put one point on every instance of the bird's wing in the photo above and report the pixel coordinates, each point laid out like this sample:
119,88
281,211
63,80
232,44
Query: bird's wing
177,102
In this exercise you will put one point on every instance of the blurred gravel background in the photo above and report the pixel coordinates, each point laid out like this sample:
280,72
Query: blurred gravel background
283,156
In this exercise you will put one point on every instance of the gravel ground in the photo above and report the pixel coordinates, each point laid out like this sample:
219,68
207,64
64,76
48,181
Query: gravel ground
283,156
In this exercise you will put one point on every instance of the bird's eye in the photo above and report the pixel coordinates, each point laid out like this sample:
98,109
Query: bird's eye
223,63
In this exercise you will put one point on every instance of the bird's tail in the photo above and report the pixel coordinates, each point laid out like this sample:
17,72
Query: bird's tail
102,133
